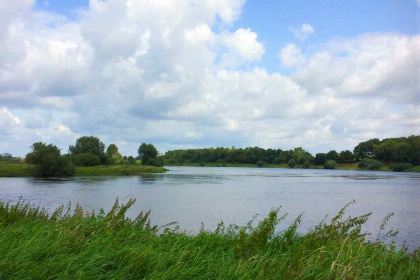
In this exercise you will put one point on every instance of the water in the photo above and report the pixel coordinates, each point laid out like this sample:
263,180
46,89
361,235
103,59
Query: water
195,195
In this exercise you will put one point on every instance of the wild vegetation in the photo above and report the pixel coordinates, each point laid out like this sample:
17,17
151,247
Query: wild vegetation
86,158
76,244
373,154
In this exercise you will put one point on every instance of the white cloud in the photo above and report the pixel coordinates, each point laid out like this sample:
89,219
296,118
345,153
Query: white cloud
175,74
291,56
244,44
303,32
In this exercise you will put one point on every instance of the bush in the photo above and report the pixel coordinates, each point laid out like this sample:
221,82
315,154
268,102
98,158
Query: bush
87,159
131,160
291,163
260,163
330,164
306,164
400,167
371,164
277,160
54,166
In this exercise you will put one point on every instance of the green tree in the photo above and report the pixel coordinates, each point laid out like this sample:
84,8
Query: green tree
346,156
111,150
49,161
320,158
332,155
89,144
40,150
148,155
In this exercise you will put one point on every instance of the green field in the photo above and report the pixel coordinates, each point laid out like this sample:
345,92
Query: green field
13,169
72,244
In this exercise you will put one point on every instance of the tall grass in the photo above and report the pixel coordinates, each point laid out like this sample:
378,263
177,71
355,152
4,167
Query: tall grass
74,244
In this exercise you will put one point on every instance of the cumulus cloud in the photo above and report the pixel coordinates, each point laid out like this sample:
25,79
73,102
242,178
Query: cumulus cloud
302,32
178,75
291,56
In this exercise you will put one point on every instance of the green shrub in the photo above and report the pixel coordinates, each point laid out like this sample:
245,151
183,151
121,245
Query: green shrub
87,159
371,164
277,160
307,164
260,163
54,166
400,167
330,164
291,163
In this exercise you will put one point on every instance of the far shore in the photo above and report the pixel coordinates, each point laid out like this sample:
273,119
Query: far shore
342,166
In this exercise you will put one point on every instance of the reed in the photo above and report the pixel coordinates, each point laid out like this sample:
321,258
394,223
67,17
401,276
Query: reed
71,243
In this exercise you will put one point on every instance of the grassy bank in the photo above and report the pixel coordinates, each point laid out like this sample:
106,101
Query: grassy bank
34,245
340,166
11,169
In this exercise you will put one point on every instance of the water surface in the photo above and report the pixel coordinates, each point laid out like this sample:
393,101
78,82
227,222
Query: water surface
195,195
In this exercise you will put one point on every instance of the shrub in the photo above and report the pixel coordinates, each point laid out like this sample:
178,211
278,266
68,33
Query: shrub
277,160
87,159
260,163
54,166
330,164
371,164
306,164
400,167
291,163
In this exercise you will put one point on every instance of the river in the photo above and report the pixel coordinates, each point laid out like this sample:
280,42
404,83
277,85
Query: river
195,195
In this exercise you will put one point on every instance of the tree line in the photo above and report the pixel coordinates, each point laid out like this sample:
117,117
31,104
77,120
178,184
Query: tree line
87,151
391,150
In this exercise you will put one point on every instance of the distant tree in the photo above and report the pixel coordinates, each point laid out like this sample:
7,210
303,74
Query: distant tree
307,164
320,158
40,150
260,163
89,144
111,150
131,160
365,149
49,161
346,156
148,155
291,163
332,155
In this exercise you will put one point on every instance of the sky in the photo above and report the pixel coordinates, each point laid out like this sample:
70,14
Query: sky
182,74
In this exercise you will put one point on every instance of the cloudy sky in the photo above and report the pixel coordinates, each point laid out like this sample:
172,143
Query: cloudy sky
321,74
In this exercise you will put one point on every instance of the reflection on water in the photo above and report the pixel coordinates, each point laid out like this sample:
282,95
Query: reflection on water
191,195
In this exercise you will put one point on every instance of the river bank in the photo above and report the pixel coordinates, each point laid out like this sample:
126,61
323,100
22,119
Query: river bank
13,169
340,166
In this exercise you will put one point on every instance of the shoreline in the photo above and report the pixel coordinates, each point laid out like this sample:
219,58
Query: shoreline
17,170
351,166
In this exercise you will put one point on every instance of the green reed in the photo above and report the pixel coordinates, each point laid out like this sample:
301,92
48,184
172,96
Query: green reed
71,243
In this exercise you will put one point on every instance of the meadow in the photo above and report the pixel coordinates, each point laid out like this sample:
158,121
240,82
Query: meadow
74,244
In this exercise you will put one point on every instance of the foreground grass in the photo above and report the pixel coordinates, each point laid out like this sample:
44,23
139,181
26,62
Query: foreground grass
11,169
34,245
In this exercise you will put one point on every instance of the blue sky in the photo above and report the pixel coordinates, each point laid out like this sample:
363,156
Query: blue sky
318,74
